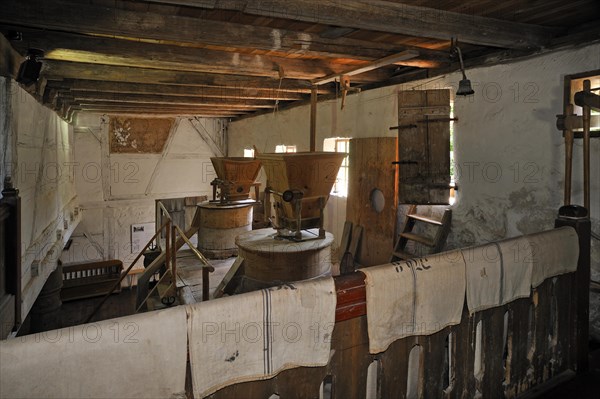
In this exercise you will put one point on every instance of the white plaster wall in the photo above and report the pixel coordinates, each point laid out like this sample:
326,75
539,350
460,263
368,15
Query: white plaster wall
509,155
38,155
118,190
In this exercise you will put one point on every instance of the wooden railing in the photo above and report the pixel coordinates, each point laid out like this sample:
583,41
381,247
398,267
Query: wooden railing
501,352
168,257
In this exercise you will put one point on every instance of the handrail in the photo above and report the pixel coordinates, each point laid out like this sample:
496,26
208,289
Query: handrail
199,254
124,274
161,206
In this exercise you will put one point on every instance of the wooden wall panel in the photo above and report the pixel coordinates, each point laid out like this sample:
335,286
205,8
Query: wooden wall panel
370,168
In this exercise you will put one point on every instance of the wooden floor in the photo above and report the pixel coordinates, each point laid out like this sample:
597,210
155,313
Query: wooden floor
190,273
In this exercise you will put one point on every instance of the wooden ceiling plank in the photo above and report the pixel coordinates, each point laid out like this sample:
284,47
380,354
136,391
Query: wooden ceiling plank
80,17
392,17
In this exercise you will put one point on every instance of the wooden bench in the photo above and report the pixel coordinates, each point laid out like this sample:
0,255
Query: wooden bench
86,280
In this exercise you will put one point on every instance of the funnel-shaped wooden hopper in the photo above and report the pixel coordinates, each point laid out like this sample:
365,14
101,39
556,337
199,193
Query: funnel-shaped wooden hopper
311,173
237,174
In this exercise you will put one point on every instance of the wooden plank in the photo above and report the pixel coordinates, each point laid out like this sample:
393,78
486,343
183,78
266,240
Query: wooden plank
370,168
82,96
345,241
65,86
235,270
54,70
392,59
74,16
424,148
391,17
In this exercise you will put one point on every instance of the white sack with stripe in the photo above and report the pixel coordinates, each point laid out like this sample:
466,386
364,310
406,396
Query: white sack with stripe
255,336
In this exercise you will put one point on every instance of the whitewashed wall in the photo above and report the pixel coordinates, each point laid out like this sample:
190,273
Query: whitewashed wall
118,190
509,155
38,155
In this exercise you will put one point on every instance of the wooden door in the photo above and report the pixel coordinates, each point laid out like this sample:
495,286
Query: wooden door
424,147
371,168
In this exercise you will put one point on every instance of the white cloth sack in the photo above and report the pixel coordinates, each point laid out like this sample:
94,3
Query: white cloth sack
484,276
516,269
139,356
416,297
440,291
554,252
390,294
255,336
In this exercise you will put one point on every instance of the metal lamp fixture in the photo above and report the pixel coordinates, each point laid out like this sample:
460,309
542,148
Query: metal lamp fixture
464,86
29,71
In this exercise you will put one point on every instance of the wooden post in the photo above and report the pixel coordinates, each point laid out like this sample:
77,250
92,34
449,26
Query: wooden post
586,148
313,118
205,284
582,287
568,157
10,196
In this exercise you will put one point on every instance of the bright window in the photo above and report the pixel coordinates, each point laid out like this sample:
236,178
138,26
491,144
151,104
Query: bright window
248,152
339,144
285,148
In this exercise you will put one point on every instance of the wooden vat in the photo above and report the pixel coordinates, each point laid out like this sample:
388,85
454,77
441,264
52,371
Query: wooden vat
269,261
219,226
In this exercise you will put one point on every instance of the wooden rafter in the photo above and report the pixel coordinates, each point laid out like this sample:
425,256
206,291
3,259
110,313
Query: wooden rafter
390,17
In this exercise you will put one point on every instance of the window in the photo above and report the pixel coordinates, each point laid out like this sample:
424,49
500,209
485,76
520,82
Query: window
339,144
285,148
248,153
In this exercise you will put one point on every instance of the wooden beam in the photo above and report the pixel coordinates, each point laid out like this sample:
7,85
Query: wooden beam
154,112
392,59
391,17
313,119
160,99
82,17
62,46
133,105
10,59
56,70
196,91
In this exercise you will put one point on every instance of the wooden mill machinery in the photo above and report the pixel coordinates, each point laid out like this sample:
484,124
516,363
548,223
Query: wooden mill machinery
297,247
230,211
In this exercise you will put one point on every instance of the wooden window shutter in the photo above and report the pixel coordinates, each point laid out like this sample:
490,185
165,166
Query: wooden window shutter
424,147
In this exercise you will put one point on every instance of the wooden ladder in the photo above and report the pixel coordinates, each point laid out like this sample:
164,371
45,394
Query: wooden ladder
436,243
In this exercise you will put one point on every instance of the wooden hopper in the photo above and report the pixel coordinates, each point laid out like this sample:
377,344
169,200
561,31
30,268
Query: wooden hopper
235,176
312,174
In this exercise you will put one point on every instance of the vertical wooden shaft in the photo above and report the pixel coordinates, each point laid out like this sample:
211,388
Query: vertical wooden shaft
174,255
581,290
205,284
313,118
568,157
586,149
168,245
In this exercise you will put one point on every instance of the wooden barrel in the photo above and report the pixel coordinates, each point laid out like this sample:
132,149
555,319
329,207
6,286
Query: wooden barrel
268,260
219,225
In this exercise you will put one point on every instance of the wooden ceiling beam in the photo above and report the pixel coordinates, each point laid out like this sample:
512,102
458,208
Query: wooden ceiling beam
196,91
154,112
390,17
56,70
169,100
82,17
75,47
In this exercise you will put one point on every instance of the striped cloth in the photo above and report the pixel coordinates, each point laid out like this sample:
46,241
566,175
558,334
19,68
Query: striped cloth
256,335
